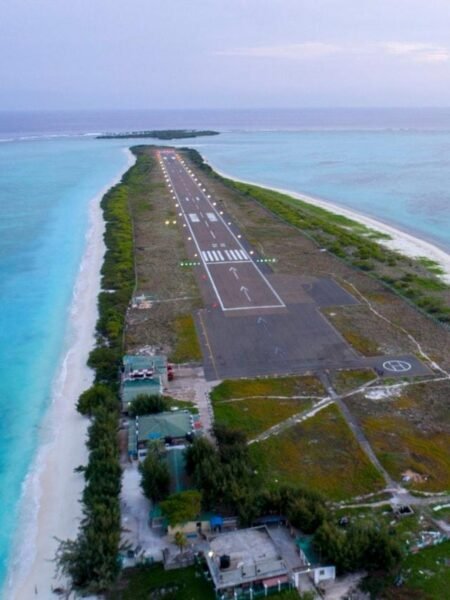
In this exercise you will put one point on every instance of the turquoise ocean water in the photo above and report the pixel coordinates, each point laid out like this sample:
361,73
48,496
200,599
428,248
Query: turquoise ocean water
392,166
45,189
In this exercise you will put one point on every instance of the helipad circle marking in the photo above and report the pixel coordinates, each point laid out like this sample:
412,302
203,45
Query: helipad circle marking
397,366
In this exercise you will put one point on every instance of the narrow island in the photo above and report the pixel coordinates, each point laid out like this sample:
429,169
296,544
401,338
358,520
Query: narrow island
334,450
159,134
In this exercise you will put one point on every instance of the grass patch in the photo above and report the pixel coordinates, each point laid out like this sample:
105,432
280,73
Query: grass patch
269,386
362,344
427,572
187,347
149,582
255,415
320,453
350,379
400,445
183,405
431,265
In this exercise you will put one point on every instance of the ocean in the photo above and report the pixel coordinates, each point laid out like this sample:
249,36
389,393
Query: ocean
45,189
390,164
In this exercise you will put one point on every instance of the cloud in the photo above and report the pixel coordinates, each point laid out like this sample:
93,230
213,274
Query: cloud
413,52
417,52
301,51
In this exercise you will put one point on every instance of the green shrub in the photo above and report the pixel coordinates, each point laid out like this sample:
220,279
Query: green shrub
147,405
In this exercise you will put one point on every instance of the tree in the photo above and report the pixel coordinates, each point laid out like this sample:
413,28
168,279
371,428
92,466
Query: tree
330,542
182,507
225,475
96,396
146,404
155,476
106,362
180,540
360,547
306,513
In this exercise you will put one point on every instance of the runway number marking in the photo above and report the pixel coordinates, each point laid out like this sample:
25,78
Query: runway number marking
397,366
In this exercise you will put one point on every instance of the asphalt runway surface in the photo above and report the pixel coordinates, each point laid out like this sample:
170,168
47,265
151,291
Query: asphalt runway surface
256,323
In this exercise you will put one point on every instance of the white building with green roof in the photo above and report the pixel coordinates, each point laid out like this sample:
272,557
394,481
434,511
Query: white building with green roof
142,375
173,428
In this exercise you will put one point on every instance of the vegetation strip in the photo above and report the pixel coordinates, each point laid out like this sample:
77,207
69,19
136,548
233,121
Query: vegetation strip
159,134
91,560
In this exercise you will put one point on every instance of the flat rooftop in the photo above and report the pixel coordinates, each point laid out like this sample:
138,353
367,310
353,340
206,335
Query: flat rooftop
253,557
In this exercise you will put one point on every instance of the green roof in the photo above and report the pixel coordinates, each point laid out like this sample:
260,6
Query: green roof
156,427
133,388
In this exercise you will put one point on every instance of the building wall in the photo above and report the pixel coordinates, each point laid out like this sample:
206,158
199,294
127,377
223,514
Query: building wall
324,574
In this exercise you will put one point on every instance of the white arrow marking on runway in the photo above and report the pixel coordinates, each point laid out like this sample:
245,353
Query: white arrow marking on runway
245,290
234,271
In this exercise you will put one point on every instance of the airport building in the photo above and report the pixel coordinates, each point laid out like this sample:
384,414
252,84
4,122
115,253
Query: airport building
173,428
261,561
142,375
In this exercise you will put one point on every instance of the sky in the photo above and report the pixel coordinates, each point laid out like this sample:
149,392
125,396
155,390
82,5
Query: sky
135,54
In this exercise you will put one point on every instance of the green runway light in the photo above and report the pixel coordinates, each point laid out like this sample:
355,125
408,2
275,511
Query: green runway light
265,260
189,263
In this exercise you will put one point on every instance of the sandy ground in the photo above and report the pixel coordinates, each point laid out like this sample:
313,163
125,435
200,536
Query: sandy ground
135,517
52,488
401,241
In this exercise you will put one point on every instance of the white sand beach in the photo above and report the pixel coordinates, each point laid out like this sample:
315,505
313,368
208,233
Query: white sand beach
400,241
50,503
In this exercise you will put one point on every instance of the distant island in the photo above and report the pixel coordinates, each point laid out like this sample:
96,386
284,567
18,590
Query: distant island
162,134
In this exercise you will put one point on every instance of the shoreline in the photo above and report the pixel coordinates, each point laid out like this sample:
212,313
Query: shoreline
49,503
403,242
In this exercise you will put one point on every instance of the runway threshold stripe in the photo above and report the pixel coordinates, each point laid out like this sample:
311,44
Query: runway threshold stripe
234,255
220,255
228,255
216,256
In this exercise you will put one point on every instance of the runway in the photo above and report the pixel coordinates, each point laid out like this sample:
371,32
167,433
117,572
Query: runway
237,281
256,323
